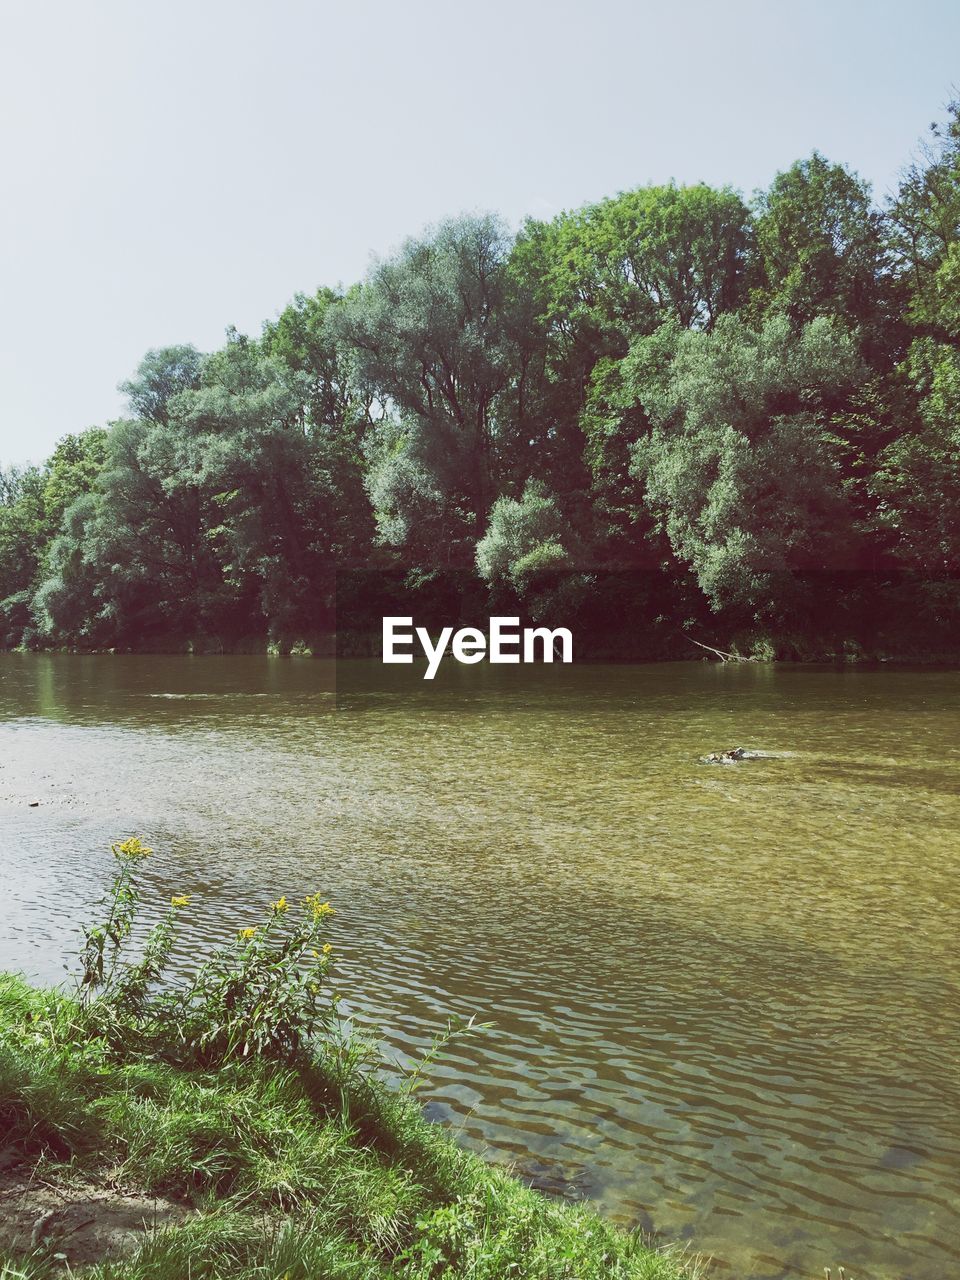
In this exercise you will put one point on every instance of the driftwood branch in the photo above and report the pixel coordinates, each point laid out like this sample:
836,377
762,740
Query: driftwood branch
721,654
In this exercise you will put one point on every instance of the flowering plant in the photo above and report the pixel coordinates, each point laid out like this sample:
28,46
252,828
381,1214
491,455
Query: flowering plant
263,992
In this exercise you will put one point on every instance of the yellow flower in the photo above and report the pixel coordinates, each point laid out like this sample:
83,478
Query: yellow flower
180,900
279,907
132,850
246,934
318,909
327,948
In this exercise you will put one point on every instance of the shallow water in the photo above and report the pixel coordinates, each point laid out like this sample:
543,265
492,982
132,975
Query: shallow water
725,997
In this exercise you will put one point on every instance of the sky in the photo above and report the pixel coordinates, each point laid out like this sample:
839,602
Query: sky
170,169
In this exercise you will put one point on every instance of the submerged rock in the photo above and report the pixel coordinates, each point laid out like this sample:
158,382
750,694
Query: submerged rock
565,1180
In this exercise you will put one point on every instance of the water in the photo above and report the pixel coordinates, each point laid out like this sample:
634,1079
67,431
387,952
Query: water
725,997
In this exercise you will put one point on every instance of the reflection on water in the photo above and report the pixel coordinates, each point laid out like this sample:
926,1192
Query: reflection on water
725,997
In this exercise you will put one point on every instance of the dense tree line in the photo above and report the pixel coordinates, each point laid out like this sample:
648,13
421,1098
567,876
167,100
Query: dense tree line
674,410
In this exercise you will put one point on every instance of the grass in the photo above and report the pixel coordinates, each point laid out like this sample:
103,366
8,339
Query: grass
295,1171
295,1157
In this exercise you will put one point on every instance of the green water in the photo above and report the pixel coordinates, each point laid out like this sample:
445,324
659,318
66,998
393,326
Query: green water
725,997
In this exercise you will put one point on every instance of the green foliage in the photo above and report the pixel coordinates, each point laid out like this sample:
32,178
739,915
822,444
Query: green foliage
925,230
21,527
524,538
718,396
72,471
628,264
430,337
33,502
821,248
161,376
926,461
103,943
264,994
739,465
131,558
916,478
227,508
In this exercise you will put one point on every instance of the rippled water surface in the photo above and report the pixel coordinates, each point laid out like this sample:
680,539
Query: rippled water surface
725,997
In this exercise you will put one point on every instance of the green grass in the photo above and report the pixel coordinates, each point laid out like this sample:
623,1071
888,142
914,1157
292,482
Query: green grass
310,1169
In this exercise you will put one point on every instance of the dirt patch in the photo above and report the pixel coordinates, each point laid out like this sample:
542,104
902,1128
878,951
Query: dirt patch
80,1222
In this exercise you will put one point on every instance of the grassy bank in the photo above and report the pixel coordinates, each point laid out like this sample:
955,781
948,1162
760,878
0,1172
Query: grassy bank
269,1139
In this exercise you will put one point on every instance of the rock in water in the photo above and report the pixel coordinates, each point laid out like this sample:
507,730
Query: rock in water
734,756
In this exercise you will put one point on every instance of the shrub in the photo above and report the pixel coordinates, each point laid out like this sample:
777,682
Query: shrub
264,993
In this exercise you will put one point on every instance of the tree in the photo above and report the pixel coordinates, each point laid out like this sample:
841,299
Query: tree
739,467
428,335
161,375
821,251
670,253
132,564
603,277
21,546
222,513
661,405
72,470
268,510
925,232
339,414
525,538
918,475
615,421
631,262
33,501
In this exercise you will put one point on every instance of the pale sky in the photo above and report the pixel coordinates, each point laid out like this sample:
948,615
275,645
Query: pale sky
173,168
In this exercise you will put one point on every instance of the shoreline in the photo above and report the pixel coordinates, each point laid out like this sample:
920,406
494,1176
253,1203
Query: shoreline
325,649
233,1124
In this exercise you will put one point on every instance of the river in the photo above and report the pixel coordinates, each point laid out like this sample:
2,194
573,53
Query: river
725,998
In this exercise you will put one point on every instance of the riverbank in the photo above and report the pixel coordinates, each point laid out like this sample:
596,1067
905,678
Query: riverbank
684,649
227,1127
